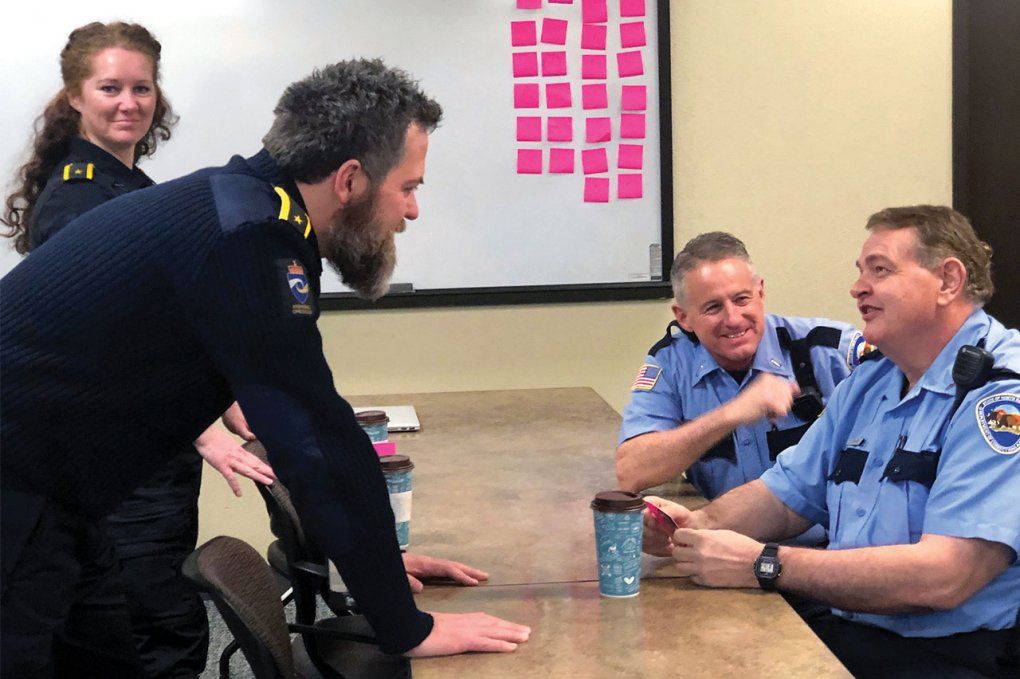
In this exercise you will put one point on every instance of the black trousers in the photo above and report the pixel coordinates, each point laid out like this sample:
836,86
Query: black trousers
153,532
874,652
62,610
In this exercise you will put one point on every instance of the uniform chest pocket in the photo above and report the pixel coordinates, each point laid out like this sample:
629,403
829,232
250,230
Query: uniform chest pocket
724,450
781,439
915,473
849,466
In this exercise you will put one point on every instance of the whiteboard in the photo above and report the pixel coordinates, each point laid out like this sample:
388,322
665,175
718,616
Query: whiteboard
483,226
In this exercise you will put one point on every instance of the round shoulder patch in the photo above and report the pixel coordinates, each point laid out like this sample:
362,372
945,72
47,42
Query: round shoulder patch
998,418
857,349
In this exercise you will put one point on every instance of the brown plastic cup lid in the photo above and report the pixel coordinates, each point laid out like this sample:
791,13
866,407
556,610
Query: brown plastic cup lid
617,501
396,463
371,417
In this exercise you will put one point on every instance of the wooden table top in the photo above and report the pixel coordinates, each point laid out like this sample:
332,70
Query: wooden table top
503,482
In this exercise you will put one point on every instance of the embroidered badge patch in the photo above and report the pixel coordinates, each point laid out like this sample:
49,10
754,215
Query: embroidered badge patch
298,287
858,348
646,378
998,418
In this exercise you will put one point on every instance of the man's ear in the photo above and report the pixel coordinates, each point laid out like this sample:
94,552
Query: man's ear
349,182
953,274
681,317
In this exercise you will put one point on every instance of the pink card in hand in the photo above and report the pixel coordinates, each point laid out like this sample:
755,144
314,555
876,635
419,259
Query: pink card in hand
663,520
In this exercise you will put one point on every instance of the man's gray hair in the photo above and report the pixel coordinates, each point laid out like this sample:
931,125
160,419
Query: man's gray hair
358,109
707,247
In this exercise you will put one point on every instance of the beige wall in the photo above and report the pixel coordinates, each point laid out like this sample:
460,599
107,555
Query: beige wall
793,120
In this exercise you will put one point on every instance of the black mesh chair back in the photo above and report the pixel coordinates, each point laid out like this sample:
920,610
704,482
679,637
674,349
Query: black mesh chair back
242,587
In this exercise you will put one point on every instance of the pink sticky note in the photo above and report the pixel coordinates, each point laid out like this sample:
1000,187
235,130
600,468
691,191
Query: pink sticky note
594,96
529,4
526,96
632,8
594,11
593,66
633,98
561,2
554,63
525,64
596,190
594,160
554,31
630,63
557,95
632,125
593,37
384,448
597,130
632,34
629,156
529,128
559,128
628,186
529,161
561,161
522,33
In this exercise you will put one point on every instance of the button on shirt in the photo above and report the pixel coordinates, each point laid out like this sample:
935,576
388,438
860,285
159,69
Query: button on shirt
691,384
976,486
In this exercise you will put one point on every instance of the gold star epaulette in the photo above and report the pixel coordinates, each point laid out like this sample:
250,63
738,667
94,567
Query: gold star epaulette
79,172
291,212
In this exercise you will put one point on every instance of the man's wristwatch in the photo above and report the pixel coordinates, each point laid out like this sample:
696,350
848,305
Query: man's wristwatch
767,567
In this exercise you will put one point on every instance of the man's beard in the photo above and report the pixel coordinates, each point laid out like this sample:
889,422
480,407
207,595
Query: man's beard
361,250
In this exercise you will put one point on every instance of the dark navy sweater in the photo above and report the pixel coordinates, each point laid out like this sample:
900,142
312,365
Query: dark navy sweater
128,332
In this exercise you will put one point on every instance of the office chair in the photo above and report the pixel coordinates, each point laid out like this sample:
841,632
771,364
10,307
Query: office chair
242,587
295,557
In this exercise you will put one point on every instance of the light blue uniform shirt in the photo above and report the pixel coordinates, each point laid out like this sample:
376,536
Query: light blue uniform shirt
975,492
680,381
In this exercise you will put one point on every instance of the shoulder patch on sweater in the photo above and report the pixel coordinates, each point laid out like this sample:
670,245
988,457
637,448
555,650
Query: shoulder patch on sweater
79,172
998,419
241,199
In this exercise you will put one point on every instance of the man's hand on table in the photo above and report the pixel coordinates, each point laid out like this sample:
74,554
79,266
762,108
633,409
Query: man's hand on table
716,558
419,566
455,633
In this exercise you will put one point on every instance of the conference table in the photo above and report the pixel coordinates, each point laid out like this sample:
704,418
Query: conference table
503,481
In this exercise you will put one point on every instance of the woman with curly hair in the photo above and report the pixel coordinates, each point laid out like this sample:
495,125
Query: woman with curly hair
109,114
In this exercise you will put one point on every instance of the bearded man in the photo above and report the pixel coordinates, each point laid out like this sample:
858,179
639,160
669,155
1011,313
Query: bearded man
136,326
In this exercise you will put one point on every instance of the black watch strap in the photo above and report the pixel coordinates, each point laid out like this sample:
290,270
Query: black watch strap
767,567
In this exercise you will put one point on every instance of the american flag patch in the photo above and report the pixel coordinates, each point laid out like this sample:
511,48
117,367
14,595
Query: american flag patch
646,377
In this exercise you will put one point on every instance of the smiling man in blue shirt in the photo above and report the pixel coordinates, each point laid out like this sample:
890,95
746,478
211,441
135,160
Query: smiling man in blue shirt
913,466
729,387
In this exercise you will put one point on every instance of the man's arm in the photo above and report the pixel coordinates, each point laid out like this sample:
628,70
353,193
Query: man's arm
936,573
656,457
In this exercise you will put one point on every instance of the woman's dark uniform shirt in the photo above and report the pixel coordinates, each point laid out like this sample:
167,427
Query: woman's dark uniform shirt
128,334
86,177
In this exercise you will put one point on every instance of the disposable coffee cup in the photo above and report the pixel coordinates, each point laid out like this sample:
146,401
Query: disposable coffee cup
618,529
397,470
375,423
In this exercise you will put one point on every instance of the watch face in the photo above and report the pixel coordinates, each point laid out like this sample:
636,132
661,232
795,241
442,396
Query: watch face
767,568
